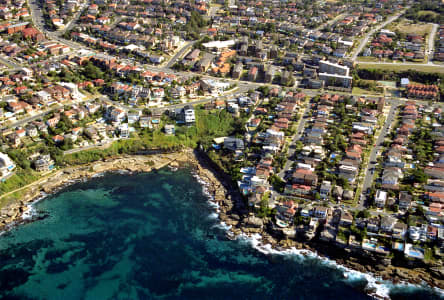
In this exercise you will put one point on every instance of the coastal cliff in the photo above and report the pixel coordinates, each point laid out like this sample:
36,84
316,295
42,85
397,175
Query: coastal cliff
12,213
232,212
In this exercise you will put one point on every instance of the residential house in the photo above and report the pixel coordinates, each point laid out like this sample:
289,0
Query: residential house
399,230
346,218
233,144
373,224
185,115
6,165
405,200
325,189
387,223
169,129
320,212
43,163
380,198
305,177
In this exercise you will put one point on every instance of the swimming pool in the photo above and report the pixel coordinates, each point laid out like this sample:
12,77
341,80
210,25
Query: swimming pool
369,246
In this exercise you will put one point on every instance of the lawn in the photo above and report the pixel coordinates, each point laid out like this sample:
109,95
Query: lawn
359,91
408,27
401,67
422,13
368,58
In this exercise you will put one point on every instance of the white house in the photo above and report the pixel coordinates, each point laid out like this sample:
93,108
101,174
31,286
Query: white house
133,116
6,165
380,198
189,115
124,131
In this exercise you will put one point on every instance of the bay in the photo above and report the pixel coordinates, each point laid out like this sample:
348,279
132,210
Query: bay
155,236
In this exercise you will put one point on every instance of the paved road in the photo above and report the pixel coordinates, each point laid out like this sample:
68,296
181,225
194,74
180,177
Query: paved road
40,115
296,137
369,171
37,19
73,21
372,31
37,15
25,120
100,145
180,54
431,44
10,64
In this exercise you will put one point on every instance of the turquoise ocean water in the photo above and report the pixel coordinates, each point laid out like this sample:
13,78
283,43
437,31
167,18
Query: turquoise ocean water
156,236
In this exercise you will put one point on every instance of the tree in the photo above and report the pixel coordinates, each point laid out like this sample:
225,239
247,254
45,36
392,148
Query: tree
265,90
419,176
277,183
67,144
363,214
92,72
147,112
20,158
343,182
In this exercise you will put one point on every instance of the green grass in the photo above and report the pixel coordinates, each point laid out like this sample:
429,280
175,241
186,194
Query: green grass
368,58
401,67
18,180
408,27
208,126
422,13
12,198
359,91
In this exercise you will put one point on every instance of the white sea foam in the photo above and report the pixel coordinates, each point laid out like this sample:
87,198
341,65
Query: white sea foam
380,288
205,191
123,172
98,175
213,215
29,213
223,226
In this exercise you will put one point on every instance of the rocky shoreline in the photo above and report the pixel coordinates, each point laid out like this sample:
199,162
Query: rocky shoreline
236,216
232,212
12,214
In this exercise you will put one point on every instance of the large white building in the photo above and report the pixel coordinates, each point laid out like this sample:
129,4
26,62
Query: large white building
185,115
332,68
6,165
336,80
214,86
189,115
218,45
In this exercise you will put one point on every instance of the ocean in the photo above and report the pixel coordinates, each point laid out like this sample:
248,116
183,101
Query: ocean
156,236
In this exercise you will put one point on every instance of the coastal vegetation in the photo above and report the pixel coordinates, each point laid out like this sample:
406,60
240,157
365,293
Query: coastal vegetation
21,178
208,126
